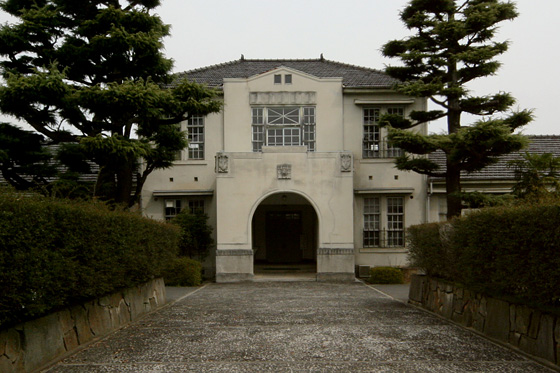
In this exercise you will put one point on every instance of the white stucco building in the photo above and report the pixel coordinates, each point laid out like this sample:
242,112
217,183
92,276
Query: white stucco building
295,169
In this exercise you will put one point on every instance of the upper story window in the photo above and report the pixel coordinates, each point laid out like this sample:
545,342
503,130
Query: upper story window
374,143
283,126
278,79
195,133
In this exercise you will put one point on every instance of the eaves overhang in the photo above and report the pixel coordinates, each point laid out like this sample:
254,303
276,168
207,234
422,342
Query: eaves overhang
401,191
182,193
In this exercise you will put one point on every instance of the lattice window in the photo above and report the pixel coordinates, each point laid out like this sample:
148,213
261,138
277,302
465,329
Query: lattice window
372,226
283,126
371,144
395,221
195,133
172,207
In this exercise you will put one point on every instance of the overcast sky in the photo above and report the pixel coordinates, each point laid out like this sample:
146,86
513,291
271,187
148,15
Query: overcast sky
208,32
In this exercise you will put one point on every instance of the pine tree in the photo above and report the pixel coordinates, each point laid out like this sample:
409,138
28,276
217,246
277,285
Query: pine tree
453,45
93,71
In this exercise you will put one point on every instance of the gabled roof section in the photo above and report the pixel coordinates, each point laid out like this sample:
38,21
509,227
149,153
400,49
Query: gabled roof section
501,170
352,76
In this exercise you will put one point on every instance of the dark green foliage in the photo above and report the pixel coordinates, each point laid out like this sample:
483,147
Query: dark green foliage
385,275
453,45
24,162
183,272
537,175
507,251
427,249
94,71
56,253
196,235
27,163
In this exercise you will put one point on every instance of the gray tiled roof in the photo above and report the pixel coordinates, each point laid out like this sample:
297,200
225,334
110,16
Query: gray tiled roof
353,76
500,170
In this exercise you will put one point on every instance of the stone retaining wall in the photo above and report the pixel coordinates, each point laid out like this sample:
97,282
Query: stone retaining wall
530,330
34,344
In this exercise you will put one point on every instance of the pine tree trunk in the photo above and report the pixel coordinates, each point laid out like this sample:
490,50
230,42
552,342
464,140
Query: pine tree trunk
123,192
453,187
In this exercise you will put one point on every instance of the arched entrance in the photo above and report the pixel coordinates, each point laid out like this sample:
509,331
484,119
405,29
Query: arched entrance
284,235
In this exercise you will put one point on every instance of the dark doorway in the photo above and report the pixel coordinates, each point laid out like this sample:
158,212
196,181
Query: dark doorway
283,236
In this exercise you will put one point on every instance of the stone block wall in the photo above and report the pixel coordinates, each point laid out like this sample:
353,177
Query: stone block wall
530,330
33,344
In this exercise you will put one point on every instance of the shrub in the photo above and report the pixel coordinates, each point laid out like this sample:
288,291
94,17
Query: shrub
55,253
506,251
385,275
196,235
183,272
427,249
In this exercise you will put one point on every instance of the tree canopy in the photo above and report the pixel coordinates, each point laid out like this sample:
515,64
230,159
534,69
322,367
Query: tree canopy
453,44
537,176
93,72
24,162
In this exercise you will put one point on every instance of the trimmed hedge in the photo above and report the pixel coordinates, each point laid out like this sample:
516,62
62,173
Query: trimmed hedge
56,253
385,275
507,251
183,272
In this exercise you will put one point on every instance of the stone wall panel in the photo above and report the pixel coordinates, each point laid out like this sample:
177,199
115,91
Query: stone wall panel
530,330
31,345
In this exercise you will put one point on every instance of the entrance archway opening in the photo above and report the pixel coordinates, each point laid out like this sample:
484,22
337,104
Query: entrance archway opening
284,235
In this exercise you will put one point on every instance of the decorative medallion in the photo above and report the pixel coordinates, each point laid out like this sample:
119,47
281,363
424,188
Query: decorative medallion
346,162
222,163
284,171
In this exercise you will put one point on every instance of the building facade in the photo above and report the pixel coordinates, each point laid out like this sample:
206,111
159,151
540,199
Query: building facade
295,169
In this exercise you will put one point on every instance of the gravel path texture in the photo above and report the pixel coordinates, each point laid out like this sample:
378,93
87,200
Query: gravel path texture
293,327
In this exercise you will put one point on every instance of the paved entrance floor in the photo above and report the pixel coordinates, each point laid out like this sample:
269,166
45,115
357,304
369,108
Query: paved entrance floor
293,326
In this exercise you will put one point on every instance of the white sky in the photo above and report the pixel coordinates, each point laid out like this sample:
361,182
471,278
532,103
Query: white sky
208,32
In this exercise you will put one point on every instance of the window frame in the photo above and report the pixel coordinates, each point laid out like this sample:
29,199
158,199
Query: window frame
277,125
383,222
196,206
374,142
196,139
173,209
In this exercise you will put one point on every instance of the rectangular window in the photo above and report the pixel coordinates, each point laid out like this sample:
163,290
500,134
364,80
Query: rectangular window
395,222
393,151
172,207
195,133
288,78
372,226
371,143
383,230
309,128
277,79
283,126
374,144
196,206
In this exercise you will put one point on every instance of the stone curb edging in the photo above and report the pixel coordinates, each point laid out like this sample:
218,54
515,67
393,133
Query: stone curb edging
528,330
37,343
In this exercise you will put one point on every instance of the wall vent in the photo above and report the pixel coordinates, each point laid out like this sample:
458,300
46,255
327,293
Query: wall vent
362,271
